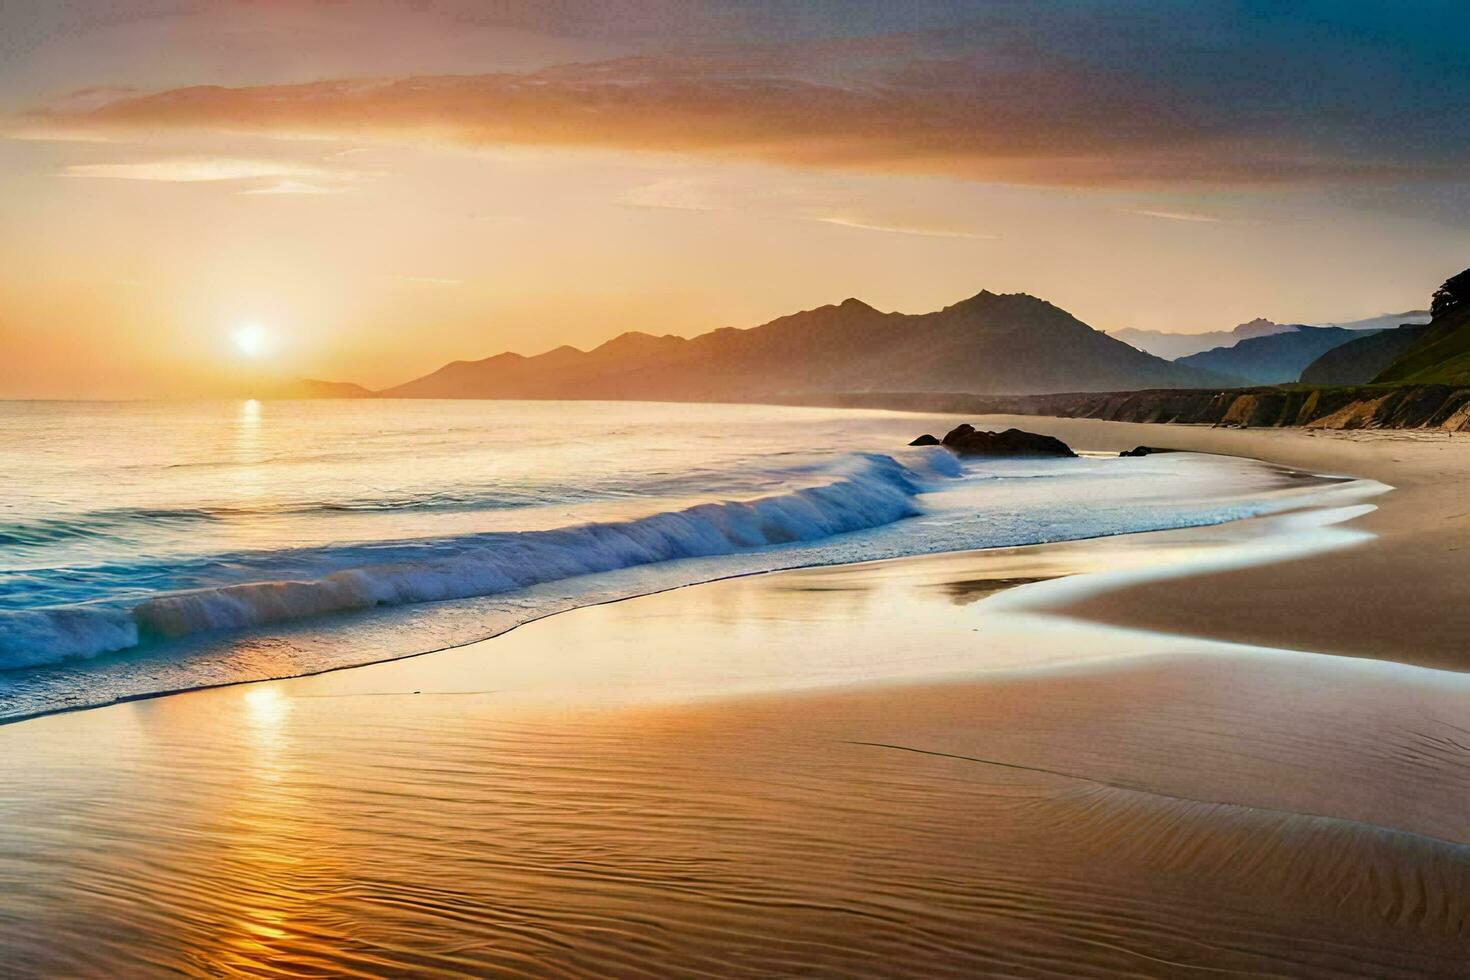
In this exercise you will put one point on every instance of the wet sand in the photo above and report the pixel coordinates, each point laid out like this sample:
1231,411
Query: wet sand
936,766
1405,595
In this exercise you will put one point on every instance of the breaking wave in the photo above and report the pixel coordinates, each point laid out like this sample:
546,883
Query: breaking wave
858,492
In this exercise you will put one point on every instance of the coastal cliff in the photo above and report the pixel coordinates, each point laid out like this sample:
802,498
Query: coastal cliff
1442,407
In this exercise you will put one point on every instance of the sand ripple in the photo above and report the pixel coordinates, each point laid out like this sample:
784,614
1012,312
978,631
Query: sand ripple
259,834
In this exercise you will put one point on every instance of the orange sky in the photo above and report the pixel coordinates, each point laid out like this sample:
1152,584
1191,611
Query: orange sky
455,206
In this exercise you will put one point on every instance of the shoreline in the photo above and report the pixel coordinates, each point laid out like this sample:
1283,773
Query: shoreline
921,766
1392,407
1313,503
1398,598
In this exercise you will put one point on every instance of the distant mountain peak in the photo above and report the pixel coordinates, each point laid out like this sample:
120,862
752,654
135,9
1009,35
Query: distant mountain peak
991,343
983,298
1260,327
635,341
1171,345
1278,357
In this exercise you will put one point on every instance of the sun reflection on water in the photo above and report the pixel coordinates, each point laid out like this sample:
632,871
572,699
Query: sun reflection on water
250,455
266,707
266,713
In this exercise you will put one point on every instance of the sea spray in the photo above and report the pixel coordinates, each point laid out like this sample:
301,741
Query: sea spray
861,491
35,637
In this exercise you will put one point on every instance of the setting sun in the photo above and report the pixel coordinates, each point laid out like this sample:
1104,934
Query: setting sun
252,340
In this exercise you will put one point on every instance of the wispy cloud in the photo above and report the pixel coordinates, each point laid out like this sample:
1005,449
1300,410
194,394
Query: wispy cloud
673,195
1180,216
952,118
670,206
1141,94
898,229
193,170
245,176
296,187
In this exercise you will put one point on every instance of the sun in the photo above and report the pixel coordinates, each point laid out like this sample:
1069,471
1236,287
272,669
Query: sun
252,340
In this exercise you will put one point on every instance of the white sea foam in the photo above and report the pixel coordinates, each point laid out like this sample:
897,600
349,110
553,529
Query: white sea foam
35,637
861,491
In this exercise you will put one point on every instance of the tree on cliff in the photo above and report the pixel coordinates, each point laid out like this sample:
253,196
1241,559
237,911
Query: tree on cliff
1454,293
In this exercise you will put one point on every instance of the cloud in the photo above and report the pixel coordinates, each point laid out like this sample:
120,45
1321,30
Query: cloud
904,229
1179,216
1125,93
192,171
96,95
673,195
295,187
268,177
941,124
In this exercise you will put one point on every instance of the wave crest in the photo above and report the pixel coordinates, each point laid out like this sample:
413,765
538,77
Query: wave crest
869,491
36,637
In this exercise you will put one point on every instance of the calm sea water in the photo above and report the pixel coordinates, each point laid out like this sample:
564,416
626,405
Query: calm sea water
160,546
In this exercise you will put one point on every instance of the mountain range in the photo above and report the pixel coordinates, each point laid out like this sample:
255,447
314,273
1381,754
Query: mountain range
310,388
1177,345
1274,359
990,343
1387,321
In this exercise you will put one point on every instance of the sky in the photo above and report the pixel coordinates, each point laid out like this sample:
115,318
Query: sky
196,195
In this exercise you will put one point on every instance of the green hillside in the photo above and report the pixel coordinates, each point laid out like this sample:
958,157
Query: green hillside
1442,355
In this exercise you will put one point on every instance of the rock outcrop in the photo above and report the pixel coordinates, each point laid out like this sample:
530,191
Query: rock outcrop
966,440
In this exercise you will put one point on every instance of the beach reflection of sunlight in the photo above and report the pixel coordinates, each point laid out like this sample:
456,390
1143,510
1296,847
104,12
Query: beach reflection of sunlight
249,451
266,707
266,850
266,711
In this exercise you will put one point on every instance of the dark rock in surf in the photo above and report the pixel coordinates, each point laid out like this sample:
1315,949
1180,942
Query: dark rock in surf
925,440
1145,451
966,440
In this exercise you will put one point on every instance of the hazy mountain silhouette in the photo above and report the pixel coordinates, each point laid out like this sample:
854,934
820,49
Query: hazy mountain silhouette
1359,361
1386,321
1275,359
988,343
303,388
1176,345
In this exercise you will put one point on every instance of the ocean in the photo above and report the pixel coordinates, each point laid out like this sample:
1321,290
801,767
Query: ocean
159,546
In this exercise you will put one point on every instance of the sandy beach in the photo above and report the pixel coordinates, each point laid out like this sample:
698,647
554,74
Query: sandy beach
1165,754
1401,596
